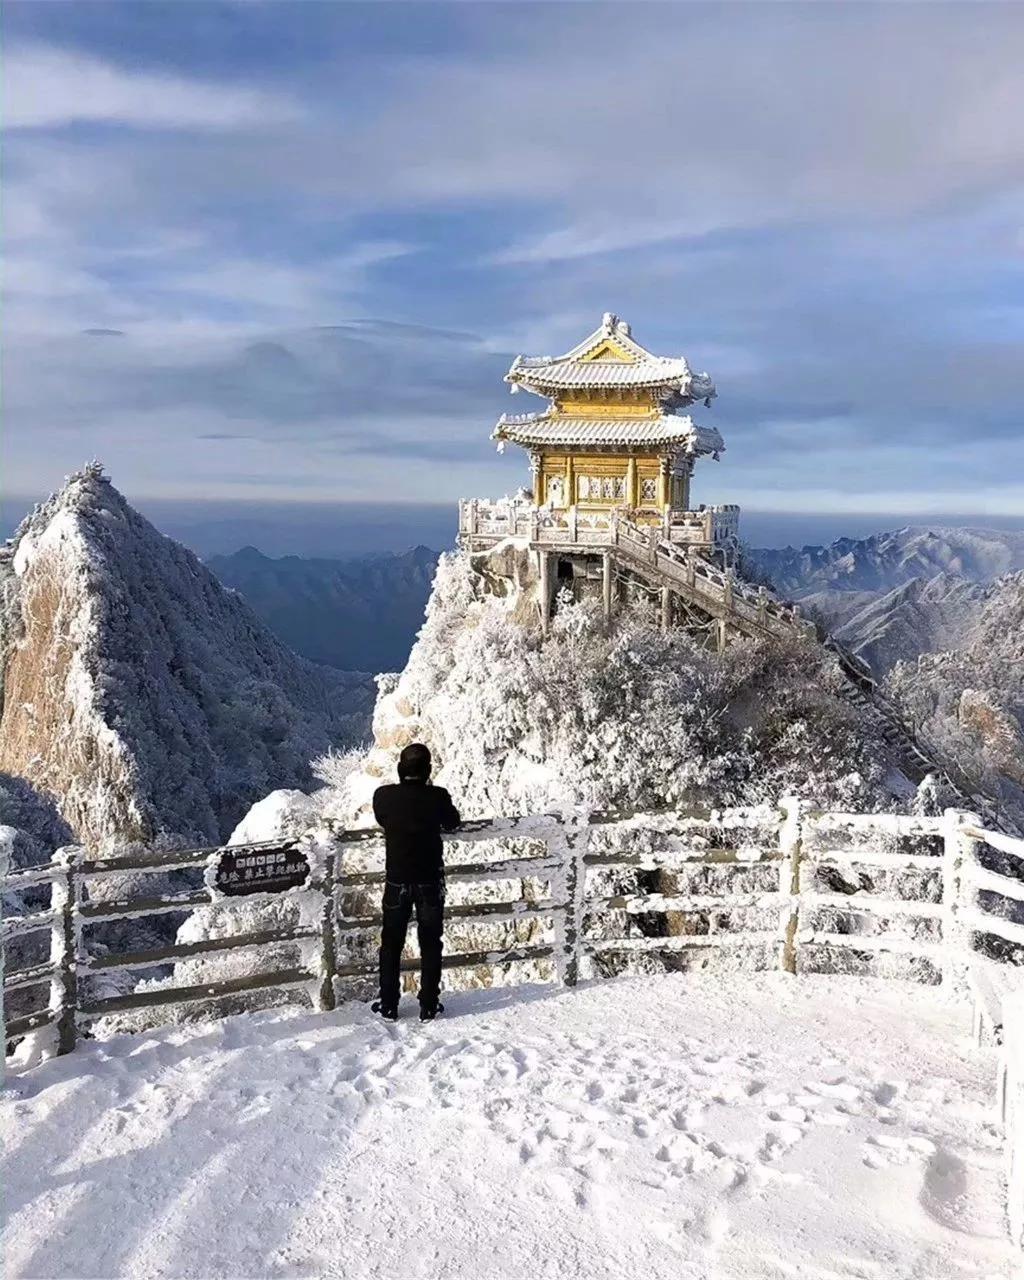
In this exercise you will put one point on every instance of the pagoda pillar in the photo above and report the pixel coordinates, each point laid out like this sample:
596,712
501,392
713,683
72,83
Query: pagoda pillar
537,475
570,482
606,586
684,484
666,608
545,591
632,497
663,480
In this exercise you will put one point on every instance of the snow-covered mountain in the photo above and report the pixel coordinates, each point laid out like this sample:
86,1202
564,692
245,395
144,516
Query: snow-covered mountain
889,560
138,693
629,718
969,698
920,616
360,614
887,597
895,595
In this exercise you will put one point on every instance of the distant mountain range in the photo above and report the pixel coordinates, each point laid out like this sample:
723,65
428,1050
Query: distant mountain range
889,596
897,594
888,560
360,614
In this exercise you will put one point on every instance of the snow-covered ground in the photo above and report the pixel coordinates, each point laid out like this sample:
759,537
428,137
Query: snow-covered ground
673,1126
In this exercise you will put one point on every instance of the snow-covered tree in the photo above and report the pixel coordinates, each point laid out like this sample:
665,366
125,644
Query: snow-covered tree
969,701
619,717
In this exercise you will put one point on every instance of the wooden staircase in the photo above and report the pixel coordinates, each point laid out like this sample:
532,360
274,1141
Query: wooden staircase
756,612
750,610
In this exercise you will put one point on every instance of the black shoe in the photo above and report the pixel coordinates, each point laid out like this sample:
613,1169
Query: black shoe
428,1012
388,1012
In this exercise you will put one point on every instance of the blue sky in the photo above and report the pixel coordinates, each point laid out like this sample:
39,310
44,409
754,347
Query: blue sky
260,251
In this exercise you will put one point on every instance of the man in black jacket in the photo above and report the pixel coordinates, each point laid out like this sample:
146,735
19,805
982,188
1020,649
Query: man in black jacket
413,814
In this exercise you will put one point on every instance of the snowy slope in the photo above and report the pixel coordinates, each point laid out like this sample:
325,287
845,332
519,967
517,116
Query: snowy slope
138,692
969,699
921,616
627,717
674,1127
888,560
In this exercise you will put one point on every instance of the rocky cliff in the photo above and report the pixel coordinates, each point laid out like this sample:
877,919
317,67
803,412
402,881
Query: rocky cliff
145,699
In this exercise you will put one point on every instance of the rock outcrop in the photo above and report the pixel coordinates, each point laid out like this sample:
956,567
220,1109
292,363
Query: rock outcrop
145,699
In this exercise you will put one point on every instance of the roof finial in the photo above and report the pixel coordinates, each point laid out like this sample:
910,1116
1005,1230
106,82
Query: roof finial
610,321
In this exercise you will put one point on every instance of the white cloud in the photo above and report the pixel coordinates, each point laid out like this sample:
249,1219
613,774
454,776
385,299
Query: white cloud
589,238
47,87
696,118
281,287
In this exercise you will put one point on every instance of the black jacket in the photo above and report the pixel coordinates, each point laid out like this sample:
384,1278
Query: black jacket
413,815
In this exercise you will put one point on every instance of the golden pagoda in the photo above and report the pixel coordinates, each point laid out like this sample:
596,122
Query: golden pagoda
612,436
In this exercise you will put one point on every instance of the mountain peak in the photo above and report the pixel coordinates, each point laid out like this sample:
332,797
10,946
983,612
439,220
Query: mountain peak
141,695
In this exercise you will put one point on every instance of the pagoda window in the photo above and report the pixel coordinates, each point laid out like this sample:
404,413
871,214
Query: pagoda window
601,488
649,489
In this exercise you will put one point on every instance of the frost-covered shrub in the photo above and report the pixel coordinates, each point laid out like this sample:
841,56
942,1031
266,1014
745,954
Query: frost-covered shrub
969,702
626,717
36,820
622,718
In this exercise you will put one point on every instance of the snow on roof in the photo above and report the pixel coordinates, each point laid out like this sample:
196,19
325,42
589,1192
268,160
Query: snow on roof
609,357
554,429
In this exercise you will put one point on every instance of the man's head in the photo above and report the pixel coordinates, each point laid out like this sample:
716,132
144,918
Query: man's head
414,763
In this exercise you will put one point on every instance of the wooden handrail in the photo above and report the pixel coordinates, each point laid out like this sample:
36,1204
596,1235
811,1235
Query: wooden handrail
692,837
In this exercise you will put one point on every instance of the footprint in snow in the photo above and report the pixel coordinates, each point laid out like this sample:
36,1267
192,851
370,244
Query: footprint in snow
837,1088
793,1115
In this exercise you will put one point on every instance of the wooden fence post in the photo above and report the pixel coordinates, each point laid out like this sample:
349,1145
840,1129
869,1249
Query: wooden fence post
328,937
64,899
791,847
571,843
958,849
1012,1052
7,836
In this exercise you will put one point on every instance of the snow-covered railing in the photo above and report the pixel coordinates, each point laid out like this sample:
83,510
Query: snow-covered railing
786,886
673,548
480,520
938,899
990,876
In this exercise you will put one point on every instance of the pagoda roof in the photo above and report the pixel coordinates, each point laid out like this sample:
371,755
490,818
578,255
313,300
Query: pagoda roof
609,358
530,429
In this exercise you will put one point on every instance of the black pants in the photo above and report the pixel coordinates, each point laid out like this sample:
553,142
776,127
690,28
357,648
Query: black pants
399,900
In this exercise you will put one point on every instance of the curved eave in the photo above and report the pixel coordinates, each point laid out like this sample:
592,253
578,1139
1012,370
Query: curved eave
546,374
610,433
558,385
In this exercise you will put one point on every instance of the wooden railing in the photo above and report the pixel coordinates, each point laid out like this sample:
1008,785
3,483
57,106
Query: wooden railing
817,865
707,527
667,550
942,898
